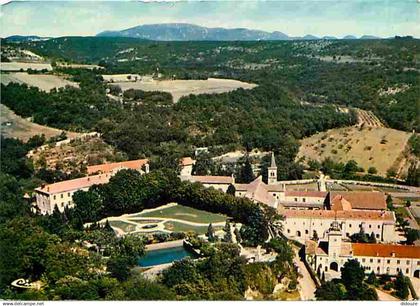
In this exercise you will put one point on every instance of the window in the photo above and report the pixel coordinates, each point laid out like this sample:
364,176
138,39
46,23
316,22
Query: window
398,269
379,261
388,261
370,225
408,262
371,260
295,199
398,262
350,225
306,232
377,269
68,194
69,203
303,200
379,226
288,231
363,259
407,270
377,235
348,234
61,195
54,197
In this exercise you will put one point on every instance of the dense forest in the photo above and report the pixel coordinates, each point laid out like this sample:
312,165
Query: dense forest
345,72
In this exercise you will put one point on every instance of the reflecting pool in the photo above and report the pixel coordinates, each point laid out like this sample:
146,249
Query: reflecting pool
158,257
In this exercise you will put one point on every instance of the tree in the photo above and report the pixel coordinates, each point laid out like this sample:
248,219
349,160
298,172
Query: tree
246,175
372,279
372,170
88,204
228,232
401,286
255,232
331,291
119,267
413,175
314,165
351,167
231,190
352,274
211,233
23,247
389,202
412,235
238,235
137,288
204,165
391,172
284,252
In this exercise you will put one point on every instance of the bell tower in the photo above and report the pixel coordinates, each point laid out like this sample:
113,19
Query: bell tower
272,171
334,240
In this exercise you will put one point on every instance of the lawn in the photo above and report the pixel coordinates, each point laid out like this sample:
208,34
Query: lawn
181,227
184,213
126,227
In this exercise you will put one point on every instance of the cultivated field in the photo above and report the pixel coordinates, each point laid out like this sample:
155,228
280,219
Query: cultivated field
44,82
377,147
180,88
17,66
14,126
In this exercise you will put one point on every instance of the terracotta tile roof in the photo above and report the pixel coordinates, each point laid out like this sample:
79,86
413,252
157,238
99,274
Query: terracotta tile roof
342,215
309,193
341,204
257,191
187,161
385,250
104,168
211,179
276,187
79,183
373,200
302,205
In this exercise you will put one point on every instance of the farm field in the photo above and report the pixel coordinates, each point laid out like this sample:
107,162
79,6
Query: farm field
180,88
377,147
17,66
45,82
23,129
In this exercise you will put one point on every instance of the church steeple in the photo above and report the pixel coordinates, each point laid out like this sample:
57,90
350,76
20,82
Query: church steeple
272,171
273,161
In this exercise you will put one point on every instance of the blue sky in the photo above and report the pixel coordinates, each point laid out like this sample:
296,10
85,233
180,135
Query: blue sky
293,17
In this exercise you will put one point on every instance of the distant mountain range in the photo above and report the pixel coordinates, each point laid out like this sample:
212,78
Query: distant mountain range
22,38
187,32
191,32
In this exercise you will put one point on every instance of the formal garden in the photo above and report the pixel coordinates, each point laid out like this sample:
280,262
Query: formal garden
169,218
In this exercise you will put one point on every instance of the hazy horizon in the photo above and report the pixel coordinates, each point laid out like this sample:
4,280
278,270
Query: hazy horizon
294,18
